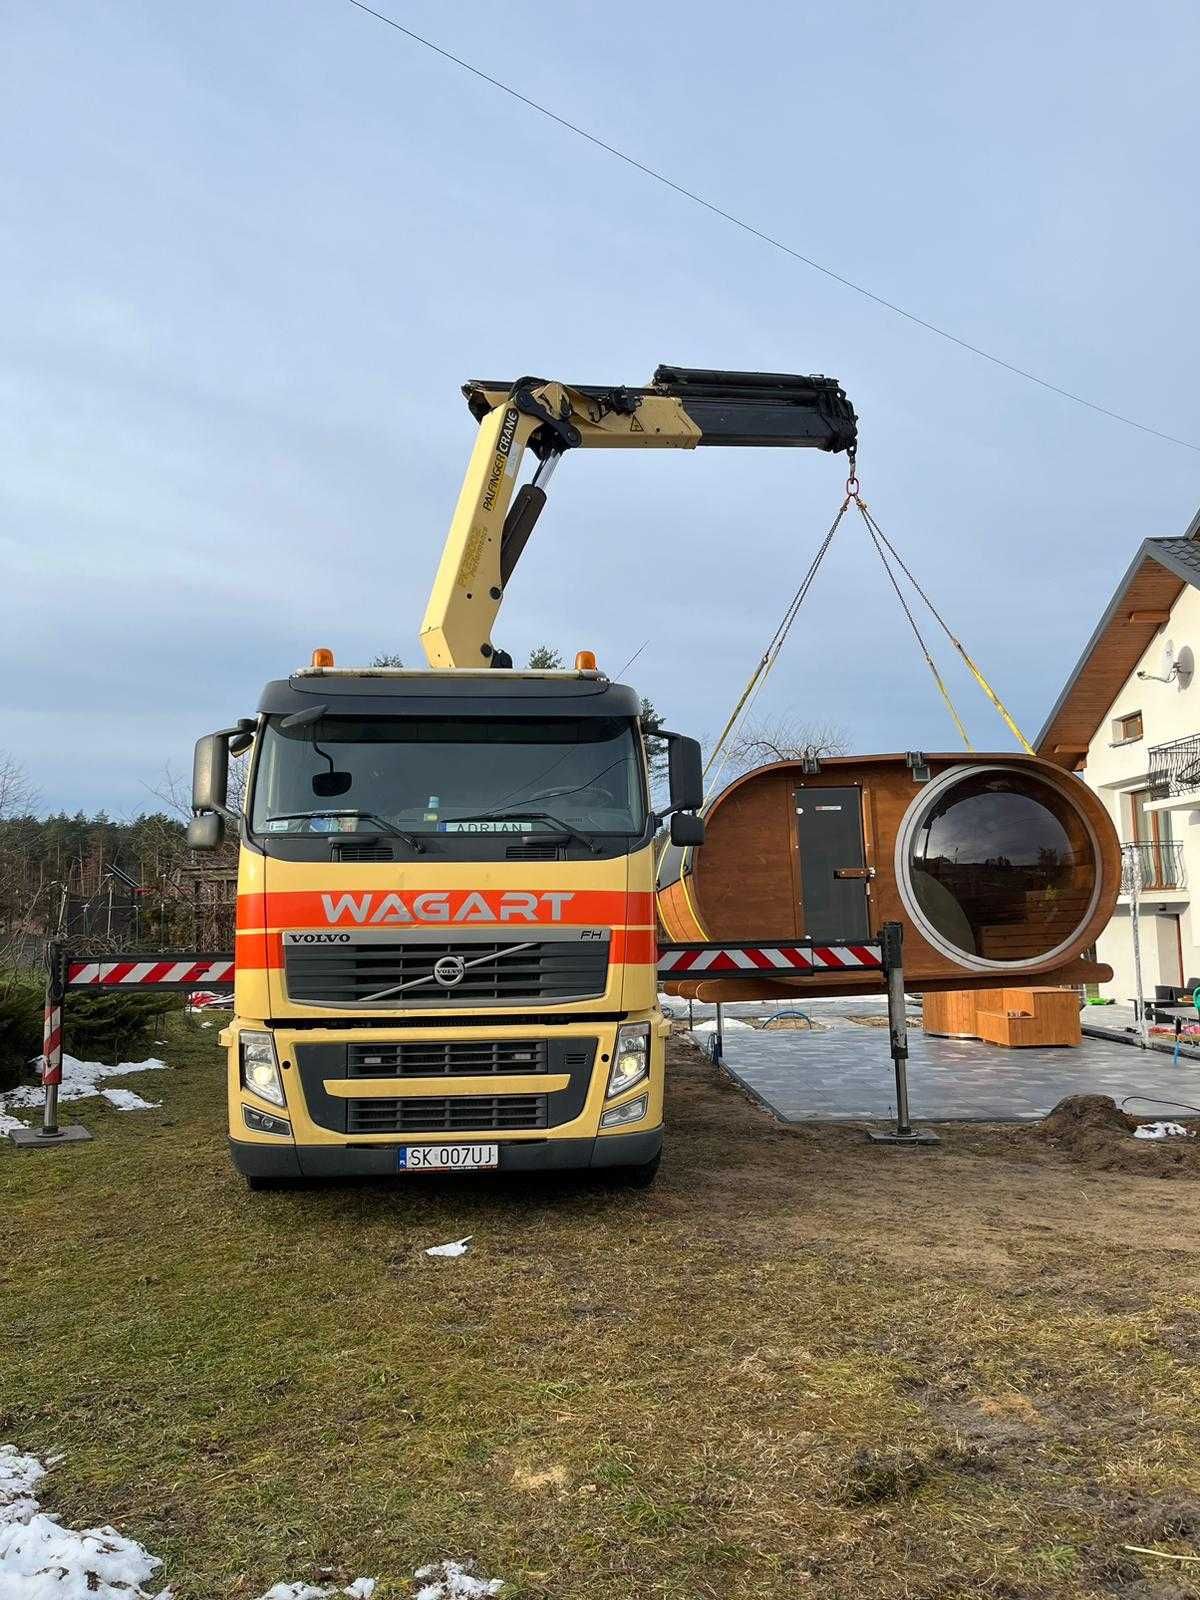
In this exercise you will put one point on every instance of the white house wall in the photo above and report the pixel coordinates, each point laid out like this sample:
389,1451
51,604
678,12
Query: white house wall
1114,771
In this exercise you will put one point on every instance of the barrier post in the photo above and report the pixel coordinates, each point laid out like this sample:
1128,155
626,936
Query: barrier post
891,943
52,1045
50,1133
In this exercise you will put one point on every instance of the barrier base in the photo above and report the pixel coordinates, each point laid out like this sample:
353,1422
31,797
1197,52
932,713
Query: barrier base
893,1136
35,1139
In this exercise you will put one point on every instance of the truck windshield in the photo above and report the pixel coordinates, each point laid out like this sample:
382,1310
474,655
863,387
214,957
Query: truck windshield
460,776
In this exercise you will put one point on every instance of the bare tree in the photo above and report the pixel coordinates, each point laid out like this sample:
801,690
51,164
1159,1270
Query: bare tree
192,899
174,789
757,744
24,893
18,796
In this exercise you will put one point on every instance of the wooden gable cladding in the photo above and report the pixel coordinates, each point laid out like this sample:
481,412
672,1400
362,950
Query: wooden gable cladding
746,883
1142,605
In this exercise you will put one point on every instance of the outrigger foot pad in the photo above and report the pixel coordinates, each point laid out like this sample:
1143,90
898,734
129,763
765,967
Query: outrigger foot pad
35,1139
894,1136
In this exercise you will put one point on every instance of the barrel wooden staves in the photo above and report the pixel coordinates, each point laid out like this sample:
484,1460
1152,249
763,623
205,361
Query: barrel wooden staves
1001,869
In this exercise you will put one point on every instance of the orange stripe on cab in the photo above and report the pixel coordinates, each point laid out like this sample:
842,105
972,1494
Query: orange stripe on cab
258,950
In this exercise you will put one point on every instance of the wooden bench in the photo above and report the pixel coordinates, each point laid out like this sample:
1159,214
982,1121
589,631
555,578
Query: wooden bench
1016,1018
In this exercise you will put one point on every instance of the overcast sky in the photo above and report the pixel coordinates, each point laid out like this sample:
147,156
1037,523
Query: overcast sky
253,247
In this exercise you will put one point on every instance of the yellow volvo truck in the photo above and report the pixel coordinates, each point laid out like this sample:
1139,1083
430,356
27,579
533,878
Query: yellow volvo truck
446,954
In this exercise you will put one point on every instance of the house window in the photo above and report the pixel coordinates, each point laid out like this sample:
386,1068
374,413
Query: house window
1128,728
1152,840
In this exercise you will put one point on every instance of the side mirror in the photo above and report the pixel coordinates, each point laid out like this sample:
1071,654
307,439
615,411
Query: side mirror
687,828
210,772
685,773
328,784
206,832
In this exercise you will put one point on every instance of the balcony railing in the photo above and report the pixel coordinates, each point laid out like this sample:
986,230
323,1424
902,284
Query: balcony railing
1175,767
1159,866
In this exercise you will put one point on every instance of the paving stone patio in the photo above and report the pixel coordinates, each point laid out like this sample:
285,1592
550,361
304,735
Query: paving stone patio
844,1072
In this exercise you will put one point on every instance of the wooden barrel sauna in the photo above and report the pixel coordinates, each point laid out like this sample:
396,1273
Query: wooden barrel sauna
1001,868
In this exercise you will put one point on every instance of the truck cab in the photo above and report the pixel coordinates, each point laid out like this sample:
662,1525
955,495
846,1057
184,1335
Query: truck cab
445,949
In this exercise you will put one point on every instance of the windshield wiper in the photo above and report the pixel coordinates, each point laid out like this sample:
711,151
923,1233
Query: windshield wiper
410,839
562,827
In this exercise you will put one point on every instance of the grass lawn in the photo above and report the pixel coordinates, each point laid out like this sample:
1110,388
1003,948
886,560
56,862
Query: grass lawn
799,1365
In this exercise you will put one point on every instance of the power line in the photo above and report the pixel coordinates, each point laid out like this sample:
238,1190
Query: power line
766,238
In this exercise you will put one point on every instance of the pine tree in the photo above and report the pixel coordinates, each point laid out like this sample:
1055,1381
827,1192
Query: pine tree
105,1026
656,745
545,658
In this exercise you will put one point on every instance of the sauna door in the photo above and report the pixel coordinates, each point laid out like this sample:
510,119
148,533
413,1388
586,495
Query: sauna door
829,839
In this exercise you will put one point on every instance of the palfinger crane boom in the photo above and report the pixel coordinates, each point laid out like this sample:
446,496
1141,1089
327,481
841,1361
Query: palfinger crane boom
446,949
683,408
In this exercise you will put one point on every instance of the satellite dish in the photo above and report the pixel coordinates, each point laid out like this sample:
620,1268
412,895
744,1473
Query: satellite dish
1174,667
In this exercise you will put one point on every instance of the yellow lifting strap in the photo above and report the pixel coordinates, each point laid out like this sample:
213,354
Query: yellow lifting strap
771,654
975,672
912,622
756,680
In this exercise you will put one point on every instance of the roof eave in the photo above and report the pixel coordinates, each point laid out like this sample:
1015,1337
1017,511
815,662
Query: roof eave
1153,550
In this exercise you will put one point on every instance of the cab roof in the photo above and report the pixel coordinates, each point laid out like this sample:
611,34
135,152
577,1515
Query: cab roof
401,691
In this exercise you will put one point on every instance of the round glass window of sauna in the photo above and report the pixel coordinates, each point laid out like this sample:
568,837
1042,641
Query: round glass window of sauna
997,867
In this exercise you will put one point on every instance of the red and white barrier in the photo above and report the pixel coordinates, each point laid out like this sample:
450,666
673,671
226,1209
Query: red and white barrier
52,1040
152,972
794,959
206,999
201,973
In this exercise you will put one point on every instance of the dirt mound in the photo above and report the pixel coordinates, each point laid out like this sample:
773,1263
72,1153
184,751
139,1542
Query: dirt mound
1082,1115
1092,1130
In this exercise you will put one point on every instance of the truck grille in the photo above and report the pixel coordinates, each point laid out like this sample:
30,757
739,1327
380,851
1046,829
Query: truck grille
321,1067
448,1114
435,1058
510,972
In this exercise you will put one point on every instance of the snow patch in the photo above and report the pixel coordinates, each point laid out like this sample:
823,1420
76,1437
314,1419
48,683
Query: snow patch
18,1474
10,1124
126,1100
728,1025
80,1081
447,1580
42,1560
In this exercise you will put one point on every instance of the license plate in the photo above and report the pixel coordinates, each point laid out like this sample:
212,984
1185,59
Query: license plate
447,1157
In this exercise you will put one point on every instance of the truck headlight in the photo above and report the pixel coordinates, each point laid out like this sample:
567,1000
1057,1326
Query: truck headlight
260,1070
631,1059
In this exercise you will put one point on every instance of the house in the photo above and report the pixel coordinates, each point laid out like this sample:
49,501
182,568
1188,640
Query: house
1128,721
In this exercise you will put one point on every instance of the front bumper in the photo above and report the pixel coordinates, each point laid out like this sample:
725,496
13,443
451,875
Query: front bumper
379,1161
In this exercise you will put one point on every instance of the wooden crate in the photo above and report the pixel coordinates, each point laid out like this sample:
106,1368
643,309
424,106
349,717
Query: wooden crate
1013,1017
